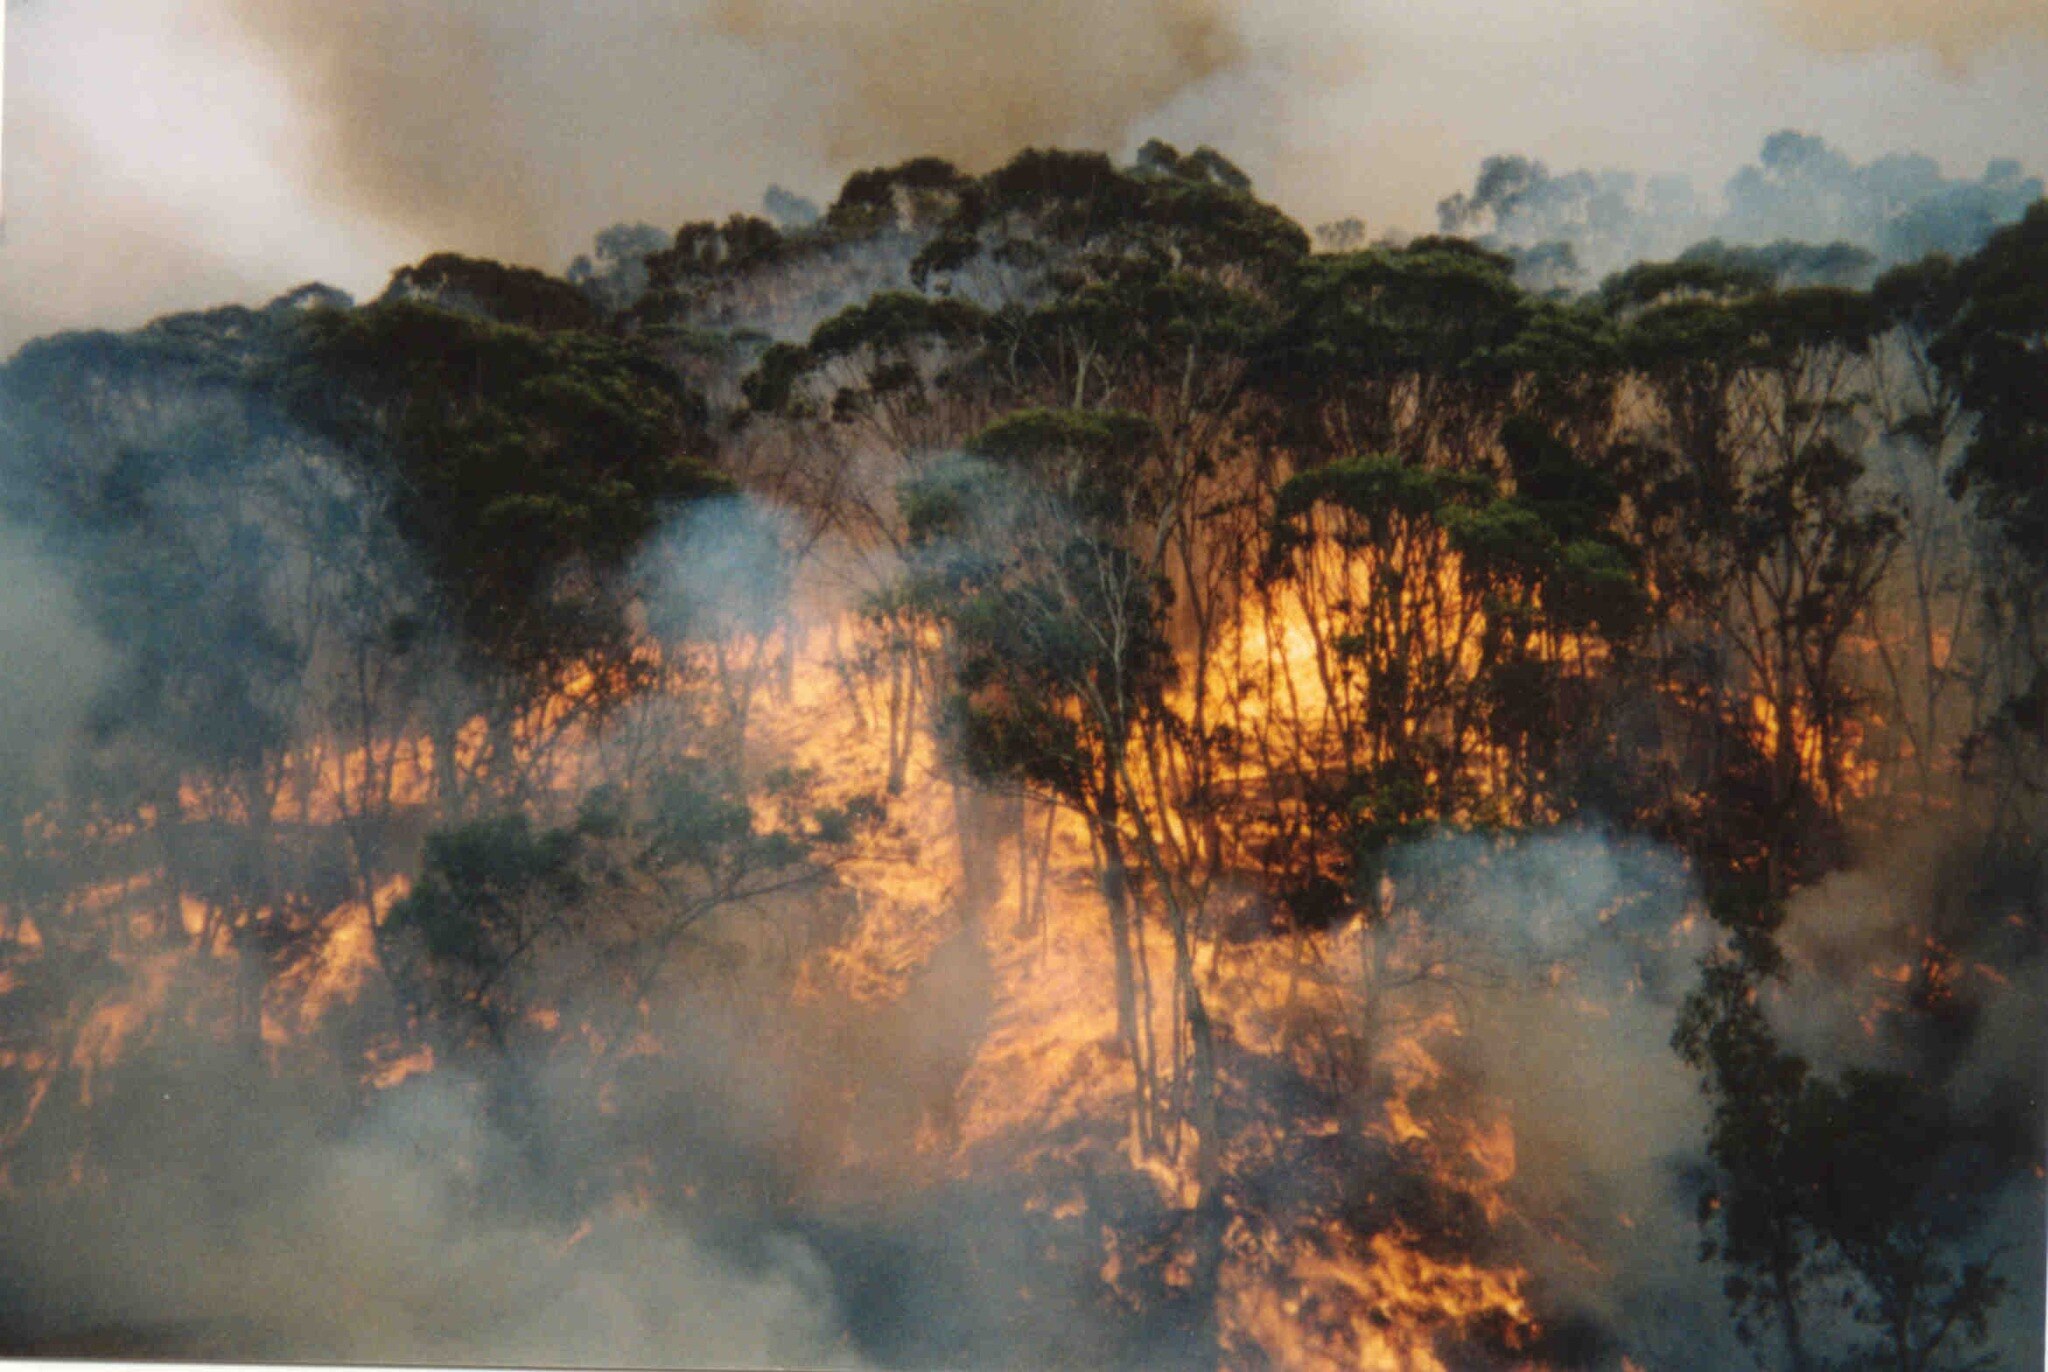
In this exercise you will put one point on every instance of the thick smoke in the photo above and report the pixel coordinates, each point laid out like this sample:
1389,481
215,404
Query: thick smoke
475,124
1568,956
499,127
241,1212
244,1213
382,1246
171,157
1855,945
53,663
974,82
143,172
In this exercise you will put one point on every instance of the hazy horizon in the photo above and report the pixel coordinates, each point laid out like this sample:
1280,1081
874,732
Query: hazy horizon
161,159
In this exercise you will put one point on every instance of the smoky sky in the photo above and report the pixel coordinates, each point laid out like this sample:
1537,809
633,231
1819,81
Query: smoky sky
163,156
508,124
1959,30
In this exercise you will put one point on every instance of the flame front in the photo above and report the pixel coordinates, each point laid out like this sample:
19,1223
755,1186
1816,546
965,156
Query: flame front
993,922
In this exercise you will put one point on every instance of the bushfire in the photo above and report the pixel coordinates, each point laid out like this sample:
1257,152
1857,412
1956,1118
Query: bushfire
1030,774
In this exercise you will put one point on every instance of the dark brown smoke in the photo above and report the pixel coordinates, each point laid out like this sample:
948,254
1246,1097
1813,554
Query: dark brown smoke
405,97
519,126
974,80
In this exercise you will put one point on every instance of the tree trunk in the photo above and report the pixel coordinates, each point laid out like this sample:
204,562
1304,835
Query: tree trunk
1116,897
1784,1289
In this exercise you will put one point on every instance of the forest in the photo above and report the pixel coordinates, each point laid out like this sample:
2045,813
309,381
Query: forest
1048,768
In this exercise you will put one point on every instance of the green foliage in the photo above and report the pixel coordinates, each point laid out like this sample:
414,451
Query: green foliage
1691,342
1389,805
1575,498
1551,537
1921,297
910,195
770,387
703,251
1079,216
1710,277
1359,329
1438,306
515,458
472,880
490,895
166,483
1570,353
1098,461
1861,1193
618,276
1377,490
506,917
1995,349
1788,264
895,332
1205,164
1028,437
942,503
893,321
1809,318
509,295
1057,631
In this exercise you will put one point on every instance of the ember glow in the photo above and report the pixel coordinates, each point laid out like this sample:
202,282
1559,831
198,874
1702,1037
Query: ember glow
1027,771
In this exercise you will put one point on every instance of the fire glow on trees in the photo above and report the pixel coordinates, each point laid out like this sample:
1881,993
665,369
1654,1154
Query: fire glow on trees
1032,774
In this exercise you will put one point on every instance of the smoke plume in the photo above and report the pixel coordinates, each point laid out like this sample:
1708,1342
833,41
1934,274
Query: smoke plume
975,81
501,126
380,1245
165,158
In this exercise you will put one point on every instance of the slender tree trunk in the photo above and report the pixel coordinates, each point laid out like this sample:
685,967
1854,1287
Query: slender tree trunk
1784,1289
1210,1216
1116,897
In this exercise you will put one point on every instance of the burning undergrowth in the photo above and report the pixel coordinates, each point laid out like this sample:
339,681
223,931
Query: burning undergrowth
1154,800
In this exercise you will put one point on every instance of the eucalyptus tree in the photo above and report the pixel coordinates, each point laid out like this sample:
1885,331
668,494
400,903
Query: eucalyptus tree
526,468
1994,352
1765,545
